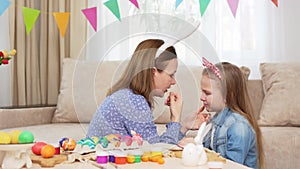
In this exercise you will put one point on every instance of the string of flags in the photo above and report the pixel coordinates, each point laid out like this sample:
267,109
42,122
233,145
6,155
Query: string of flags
62,18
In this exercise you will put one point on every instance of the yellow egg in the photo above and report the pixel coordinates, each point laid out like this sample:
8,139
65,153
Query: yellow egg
4,138
14,135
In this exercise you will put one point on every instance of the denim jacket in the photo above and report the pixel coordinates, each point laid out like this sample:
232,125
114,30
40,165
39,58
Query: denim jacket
234,138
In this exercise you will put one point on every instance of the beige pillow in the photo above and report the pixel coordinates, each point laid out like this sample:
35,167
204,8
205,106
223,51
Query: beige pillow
83,87
281,83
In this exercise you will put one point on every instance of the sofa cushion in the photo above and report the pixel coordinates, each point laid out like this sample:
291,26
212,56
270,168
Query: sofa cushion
83,87
281,102
281,146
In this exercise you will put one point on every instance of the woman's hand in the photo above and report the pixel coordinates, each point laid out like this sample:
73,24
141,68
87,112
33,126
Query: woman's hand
194,120
174,101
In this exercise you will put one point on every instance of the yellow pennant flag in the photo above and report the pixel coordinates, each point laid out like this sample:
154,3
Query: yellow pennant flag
62,20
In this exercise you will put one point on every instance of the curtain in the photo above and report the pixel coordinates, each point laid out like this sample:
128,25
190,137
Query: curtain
36,71
257,34
260,32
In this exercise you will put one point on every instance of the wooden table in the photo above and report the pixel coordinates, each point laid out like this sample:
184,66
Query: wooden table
170,163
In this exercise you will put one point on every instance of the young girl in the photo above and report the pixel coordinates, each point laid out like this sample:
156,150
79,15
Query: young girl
234,133
129,102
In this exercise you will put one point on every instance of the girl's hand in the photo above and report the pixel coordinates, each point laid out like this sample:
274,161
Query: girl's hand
174,101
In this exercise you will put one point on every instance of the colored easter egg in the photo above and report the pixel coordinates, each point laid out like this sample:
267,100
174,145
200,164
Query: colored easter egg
127,140
62,140
4,138
95,139
48,151
14,135
104,142
37,148
26,137
69,144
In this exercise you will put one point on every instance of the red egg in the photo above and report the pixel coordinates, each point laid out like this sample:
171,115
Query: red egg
37,147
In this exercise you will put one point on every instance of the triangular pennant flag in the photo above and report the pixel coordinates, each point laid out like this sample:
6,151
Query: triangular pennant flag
275,2
233,4
30,16
113,6
62,20
135,3
4,4
203,5
91,15
178,2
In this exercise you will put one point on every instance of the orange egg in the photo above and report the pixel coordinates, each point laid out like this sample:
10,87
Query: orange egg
161,161
145,158
48,151
155,158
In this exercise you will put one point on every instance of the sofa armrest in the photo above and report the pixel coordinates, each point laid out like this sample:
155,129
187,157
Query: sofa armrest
20,117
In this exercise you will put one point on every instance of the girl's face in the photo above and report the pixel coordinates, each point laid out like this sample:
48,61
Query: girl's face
165,79
212,97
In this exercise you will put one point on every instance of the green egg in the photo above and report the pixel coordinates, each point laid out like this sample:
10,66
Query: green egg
26,137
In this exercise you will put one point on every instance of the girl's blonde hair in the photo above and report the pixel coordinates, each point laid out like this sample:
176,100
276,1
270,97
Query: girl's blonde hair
138,74
234,87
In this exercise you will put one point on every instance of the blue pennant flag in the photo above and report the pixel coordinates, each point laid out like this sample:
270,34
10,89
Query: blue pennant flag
178,2
4,4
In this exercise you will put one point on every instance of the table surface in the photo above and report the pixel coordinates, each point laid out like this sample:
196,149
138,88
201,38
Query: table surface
169,163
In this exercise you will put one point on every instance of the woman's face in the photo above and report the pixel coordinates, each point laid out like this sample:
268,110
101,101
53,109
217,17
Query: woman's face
211,96
165,79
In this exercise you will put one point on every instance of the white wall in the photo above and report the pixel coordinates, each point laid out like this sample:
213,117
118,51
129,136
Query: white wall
5,73
291,22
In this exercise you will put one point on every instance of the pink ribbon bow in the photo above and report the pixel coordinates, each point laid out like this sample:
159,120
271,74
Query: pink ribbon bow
212,67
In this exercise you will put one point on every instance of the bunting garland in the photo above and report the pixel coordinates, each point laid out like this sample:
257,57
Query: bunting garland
233,4
178,2
30,15
203,6
113,6
135,3
275,2
62,18
4,4
91,15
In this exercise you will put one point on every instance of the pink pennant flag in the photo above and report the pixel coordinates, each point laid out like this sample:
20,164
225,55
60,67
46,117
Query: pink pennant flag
233,4
135,3
275,2
91,15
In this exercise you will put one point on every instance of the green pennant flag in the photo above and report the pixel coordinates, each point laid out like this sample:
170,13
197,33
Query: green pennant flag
113,6
203,5
30,16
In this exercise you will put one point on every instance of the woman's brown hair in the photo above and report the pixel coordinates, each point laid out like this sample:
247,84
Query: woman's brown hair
138,75
233,83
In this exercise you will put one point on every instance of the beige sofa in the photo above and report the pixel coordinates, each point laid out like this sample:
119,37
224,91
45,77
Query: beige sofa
84,85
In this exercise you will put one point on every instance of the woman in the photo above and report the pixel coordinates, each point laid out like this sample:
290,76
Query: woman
129,102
